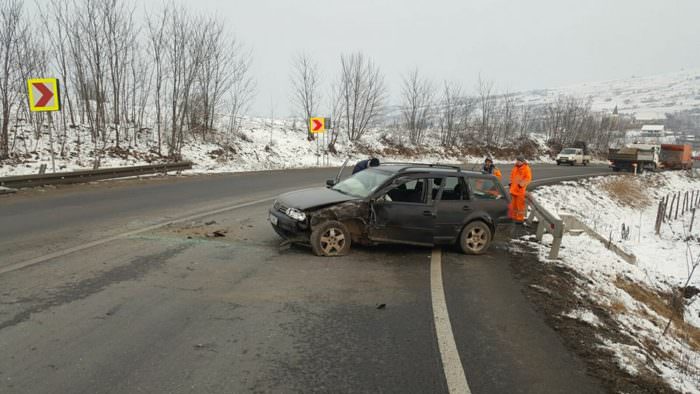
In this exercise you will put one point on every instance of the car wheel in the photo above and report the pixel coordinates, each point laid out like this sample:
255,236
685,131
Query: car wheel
331,239
585,163
475,238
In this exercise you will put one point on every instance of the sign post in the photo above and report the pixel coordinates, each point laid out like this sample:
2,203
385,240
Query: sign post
44,97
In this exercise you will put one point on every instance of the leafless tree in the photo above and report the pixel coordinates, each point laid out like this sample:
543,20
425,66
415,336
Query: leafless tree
487,103
11,26
417,105
362,92
242,90
184,53
305,87
156,45
452,99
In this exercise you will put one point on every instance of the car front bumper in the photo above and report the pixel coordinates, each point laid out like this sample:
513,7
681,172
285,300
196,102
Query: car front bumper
287,227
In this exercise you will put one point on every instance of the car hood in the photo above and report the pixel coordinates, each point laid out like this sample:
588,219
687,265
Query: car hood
313,198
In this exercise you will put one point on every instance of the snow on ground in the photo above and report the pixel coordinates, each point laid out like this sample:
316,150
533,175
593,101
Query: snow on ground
636,296
261,144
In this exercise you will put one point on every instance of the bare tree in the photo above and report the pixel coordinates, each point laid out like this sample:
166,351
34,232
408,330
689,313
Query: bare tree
361,90
305,87
455,114
417,109
486,105
242,90
156,40
10,32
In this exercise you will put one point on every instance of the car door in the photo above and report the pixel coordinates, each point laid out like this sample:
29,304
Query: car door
451,208
404,213
486,195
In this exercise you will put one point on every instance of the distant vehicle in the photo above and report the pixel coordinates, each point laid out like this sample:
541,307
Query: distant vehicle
651,157
573,156
676,157
635,157
405,203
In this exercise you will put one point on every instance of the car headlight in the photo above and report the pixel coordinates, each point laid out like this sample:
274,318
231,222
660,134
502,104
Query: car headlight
296,214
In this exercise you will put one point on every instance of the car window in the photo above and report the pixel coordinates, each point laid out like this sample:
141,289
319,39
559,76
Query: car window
454,189
485,189
363,183
408,191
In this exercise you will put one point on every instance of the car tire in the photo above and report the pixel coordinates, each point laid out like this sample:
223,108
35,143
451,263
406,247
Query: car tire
475,238
331,239
585,163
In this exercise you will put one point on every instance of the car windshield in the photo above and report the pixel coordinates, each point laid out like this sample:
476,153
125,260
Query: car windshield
363,183
568,151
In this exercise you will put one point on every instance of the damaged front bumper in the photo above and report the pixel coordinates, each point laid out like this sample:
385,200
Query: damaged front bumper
288,228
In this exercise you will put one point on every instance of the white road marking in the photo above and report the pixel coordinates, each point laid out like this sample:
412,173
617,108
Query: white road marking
451,364
61,253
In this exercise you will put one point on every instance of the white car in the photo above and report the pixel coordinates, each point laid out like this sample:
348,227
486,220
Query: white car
573,156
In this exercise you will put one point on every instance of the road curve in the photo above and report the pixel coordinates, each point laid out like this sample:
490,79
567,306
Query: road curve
172,310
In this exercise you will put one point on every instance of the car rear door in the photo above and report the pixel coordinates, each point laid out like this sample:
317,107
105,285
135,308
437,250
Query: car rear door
452,207
404,213
486,195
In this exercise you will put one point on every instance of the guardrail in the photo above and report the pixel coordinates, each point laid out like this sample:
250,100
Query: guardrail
546,222
63,178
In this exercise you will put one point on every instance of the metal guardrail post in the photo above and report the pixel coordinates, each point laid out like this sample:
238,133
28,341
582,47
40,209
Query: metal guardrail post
546,222
558,233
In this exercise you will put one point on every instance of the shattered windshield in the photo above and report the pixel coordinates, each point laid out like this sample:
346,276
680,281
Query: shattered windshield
363,183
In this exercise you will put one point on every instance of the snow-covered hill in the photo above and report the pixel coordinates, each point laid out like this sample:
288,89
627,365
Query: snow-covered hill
647,97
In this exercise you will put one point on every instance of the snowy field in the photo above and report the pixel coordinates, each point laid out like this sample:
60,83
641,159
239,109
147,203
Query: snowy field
637,296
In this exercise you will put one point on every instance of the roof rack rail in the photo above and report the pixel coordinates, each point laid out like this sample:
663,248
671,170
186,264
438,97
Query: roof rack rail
426,165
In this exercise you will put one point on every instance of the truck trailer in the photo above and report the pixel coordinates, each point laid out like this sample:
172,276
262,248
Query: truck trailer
676,157
645,157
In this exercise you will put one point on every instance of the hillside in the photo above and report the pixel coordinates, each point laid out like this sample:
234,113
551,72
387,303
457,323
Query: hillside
647,97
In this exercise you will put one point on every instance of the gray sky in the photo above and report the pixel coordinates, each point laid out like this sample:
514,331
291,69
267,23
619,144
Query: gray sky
518,44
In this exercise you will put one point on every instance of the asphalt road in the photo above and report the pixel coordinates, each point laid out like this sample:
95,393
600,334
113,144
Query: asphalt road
173,310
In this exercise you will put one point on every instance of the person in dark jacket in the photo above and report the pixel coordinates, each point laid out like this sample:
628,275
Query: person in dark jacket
489,168
365,164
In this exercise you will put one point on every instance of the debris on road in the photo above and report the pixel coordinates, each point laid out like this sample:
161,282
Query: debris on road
381,306
216,234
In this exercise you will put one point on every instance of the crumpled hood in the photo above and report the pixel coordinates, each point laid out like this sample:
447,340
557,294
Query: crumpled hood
312,198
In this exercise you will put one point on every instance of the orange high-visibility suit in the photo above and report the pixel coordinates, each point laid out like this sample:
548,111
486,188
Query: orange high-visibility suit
497,173
520,177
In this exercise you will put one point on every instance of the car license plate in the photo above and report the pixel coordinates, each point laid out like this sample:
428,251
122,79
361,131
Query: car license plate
273,219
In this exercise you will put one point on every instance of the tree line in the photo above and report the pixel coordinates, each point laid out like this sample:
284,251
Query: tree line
159,79
162,78
487,117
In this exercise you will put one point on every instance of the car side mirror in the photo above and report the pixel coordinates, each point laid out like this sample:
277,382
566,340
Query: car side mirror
330,182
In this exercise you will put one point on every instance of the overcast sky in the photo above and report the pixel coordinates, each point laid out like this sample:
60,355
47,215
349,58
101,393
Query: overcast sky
518,44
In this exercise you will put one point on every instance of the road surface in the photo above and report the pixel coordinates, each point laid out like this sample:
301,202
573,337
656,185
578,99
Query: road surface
97,297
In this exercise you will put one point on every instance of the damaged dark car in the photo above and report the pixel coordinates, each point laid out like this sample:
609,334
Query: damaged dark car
416,204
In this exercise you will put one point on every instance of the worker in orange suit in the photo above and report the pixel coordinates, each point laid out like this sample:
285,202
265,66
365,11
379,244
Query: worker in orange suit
489,168
520,177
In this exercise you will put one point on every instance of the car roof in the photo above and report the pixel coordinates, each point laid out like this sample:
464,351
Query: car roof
436,169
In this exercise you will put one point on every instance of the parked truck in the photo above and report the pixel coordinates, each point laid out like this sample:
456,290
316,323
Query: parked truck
646,157
676,157
578,154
